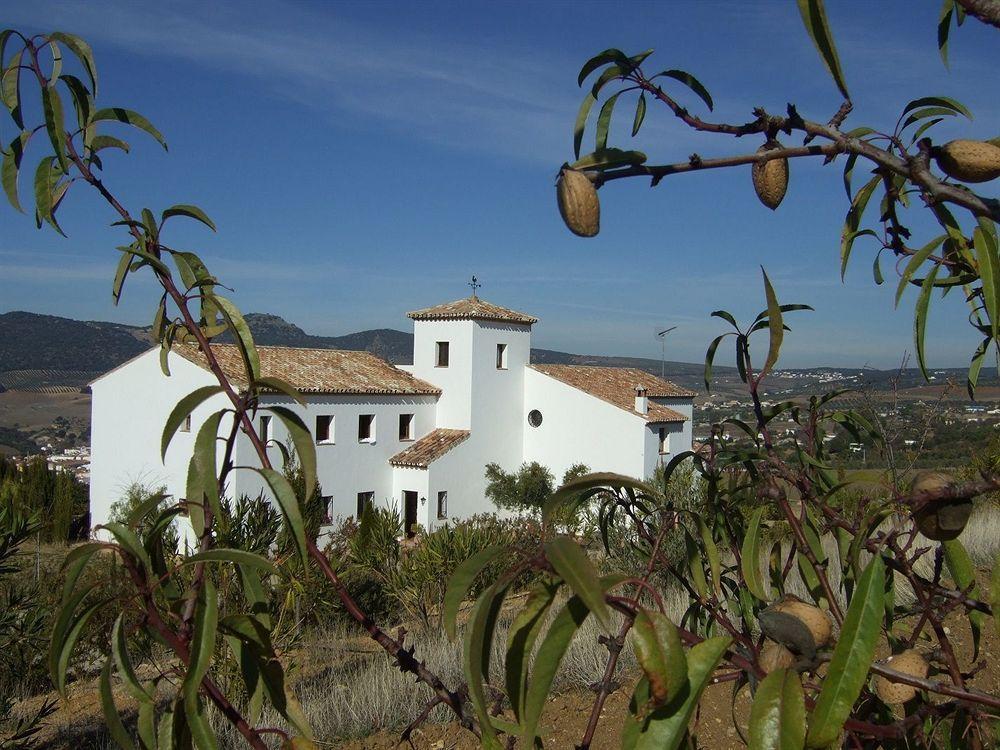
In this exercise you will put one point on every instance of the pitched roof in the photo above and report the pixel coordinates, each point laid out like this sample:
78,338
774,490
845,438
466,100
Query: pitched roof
316,370
472,308
617,385
429,448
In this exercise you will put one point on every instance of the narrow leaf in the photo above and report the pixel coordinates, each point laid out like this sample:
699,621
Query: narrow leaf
814,17
460,584
775,326
581,122
112,719
181,411
83,51
305,447
852,657
964,575
284,495
129,117
660,654
778,714
640,114
692,83
192,212
575,568
750,556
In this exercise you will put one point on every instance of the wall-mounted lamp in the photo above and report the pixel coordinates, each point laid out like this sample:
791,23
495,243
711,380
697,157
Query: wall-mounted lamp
423,501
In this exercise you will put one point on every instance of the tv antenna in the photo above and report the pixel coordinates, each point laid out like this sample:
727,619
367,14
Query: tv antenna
475,285
663,348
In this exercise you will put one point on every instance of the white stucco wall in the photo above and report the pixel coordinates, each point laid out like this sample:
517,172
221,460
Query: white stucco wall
346,466
129,407
454,409
579,428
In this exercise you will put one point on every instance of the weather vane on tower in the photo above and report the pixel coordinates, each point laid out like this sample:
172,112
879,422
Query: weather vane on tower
475,285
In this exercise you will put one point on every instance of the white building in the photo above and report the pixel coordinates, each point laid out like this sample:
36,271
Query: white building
416,436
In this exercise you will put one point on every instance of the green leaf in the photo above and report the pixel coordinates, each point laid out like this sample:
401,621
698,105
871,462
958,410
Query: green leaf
74,563
11,167
63,643
852,657
692,83
237,556
123,663
944,28
82,101
608,56
711,552
853,220
814,17
710,360
694,564
660,654
938,101
775,325
877,270
640,114
181,411
244,339
521,637
988,259
975,366
206,624
284,495
129,543
112,719
750,556
476,653
920,318
201,730
83,51
916,260
926,113
609,158
281,386
575,568
10,89
460,584
305,447
129,117
102,142
778,714
146,257
995,593
571,491
964,575
55,124
604,122
547,660
46,177
666,727
581,122
192,212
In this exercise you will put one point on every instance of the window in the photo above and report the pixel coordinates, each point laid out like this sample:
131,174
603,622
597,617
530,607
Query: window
324,428
501,356
365,500
366,428
327,501
406,427
664,440
534,418
443,506
264,431
441,358
186,424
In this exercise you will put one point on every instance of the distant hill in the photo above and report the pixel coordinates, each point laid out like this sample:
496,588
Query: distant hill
48,354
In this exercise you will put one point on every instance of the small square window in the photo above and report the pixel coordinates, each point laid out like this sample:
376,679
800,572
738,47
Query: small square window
186,424
441,358
324,428
406,427
365,500
664,440
501,356
264,431
366,428
442,508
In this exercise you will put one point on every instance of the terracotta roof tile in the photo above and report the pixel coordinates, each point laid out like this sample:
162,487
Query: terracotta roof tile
316,370
616,385
472,308
429,448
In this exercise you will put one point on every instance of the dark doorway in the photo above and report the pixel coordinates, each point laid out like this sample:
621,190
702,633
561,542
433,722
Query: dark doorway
409,512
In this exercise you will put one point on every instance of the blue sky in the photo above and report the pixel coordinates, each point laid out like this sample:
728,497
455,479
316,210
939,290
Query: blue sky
365,159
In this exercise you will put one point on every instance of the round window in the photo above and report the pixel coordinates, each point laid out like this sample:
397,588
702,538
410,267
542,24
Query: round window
534,417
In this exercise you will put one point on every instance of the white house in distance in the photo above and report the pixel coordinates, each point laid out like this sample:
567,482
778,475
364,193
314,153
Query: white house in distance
417,437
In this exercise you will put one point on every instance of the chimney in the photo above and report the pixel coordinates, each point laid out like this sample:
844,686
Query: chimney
641,401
